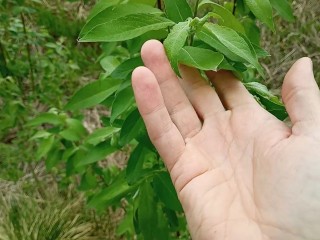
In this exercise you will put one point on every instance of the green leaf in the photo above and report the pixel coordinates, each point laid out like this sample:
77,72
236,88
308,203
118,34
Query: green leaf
262,10
69,152
48,118
40,134
172,218
126,68
229,20
75,131
96,153
100,135
242,9
126,224
134,170
284,9
200,58
109,64
261,53
110,14
267,99
44,147
226,65
53,158
100,6
178,10
175,42
252,31
109,48
230,43
135,45
124,28
149,2
147,214
132,127
93,94
73,160
162,226
144,139
88,181
111,194
166,192
256,50
210,39
122,102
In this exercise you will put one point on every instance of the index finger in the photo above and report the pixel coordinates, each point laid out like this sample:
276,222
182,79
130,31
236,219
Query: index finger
230,90
162,131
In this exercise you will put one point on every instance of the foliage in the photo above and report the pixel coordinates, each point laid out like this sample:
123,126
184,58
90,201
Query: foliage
39,65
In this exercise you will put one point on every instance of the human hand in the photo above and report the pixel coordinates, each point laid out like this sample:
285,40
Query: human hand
239,172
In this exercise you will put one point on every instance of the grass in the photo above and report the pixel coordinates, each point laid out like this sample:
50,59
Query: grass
29,214
292,41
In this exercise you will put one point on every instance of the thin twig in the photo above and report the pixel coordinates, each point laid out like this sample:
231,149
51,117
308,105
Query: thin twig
28,48
159,4
196,9
3,61
2,52
234,7
194,16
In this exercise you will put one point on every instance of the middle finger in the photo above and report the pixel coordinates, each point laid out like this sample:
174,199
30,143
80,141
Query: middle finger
179,107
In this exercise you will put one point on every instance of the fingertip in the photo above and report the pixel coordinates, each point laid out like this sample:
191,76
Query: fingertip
299,75
138,72
142,78
300,93
306,61
149,47
303,64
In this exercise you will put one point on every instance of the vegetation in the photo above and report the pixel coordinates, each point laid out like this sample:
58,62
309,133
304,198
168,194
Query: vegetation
76,162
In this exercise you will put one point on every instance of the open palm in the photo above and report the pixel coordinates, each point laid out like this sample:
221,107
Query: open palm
240,173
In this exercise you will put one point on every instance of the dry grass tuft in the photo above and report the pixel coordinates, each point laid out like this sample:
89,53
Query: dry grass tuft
292,41
30,214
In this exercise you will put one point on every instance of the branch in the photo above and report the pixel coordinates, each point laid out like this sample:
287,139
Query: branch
28,48
159,4
234,7
196,9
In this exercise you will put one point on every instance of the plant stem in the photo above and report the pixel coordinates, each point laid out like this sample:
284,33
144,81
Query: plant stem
3,61
194,16
159,4
28,48
234,7
196,9
2,53
37,181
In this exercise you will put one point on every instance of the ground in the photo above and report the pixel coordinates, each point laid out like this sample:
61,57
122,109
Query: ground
292,41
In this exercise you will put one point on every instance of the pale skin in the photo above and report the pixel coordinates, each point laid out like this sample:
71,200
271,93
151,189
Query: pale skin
240,173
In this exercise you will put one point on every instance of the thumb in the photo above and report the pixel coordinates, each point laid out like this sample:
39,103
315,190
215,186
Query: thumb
300,94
